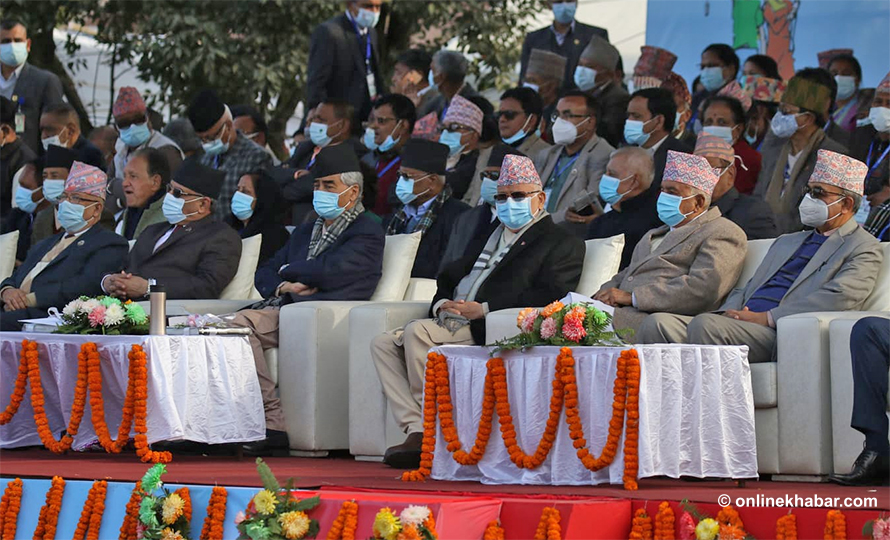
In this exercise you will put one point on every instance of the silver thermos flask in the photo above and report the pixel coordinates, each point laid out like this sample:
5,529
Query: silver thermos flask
157,311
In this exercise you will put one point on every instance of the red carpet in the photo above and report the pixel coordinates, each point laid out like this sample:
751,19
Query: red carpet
345,474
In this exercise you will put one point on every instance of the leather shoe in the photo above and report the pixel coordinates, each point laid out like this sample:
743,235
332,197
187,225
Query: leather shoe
275,444
869,469
405,455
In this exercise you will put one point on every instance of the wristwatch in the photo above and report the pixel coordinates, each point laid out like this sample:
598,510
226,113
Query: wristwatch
151,283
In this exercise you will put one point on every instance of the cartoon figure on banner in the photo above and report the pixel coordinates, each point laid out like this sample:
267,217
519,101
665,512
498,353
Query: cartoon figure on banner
769,28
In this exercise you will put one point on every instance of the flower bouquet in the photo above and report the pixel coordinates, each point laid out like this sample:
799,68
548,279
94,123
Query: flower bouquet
562,325
103,315
275,513
414,523
162,515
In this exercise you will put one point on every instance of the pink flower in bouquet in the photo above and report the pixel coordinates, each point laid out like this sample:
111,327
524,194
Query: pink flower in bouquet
548,328
687,527
239,517
97,316
140,530
881,529
573,329
528,323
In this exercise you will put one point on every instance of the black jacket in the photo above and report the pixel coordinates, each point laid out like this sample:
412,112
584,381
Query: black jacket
660,157
198,260
571,48
612,102
461,176
864,139
89,153
435,239
18,220
752,214
637,217
13,156
542,266
35,90
470,233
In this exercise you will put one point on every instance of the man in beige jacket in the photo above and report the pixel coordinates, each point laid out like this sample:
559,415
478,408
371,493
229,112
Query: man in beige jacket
687,266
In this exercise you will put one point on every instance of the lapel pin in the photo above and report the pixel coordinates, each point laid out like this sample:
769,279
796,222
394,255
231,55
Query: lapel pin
80,243
577,42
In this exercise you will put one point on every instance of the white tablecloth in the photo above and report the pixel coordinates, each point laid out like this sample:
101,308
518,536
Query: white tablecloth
696,414
200,388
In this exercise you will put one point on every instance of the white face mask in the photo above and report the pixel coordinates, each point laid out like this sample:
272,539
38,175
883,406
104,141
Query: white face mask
565,132
55,140
880,118
814,213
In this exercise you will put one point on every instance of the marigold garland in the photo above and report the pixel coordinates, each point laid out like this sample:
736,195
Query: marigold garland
91,515
641,526
186,496
37,399
48,520
730,516
139,386
18,394
494,531
835,525
430,525
437,401
97,405
346,523
216,514
131,515
731,532
548,526
10,505
664,522
786,527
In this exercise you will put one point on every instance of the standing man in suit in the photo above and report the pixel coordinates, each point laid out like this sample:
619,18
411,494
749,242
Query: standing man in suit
192,255
571,169
565,37
651,114
689,264
32,88
831,268
527,261
70,263
343,59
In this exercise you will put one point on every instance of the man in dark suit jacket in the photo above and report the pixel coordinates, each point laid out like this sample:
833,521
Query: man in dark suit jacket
192,255
70,263
338,257
565,37
428,207
32,88
60,125
343,58
529,261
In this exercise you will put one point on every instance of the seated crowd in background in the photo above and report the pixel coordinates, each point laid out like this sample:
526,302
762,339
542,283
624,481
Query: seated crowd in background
502,199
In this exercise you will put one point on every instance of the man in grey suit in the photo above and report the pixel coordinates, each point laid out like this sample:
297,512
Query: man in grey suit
572,168
832,268
688,265
33,89
565,37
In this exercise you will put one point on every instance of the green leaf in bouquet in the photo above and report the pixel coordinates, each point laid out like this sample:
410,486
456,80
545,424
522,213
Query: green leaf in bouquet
304,505
267,477
257,531
313,529
274,527
152,478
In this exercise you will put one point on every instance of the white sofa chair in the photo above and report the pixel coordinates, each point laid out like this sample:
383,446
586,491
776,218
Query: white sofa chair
372,428
846,441
8,247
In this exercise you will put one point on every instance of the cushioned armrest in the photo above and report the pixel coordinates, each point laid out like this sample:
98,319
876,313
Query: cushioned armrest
501,324
201,307
421,290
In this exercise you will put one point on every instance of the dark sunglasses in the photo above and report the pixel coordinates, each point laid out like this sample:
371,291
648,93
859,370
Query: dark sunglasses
819,193
490,175
178,193
516,195
509,115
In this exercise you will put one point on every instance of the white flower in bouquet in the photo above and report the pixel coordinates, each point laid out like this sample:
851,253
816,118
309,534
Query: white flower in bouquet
114,314
414,515
88,306
72,308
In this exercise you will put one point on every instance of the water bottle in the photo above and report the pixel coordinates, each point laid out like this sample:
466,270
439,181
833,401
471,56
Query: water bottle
157,311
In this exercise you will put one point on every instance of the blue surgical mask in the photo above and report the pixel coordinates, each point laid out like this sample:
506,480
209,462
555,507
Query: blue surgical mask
585,78
405,189
432,81
515,214
633,132
609,188
14,54
846,86
451,139
533,86
784,125
368,139
712,78
723,132
52,190
489,190
367,18
318,133
389,142
669,209
327,204
216,146
135,135
23,200
752,139
519,135
71,216
242,205
172,209
564,12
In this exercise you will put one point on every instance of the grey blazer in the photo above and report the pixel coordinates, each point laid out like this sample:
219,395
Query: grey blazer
37,89
690,272
585,175
839,277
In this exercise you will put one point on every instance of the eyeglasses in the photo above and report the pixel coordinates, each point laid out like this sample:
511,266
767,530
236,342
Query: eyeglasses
178,193
566,115
819,193
455,127
380,120
490,175
217,135
509,115
516,195
75,199
124,124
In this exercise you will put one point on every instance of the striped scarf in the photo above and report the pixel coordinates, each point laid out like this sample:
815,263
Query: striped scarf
323,238
399,223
